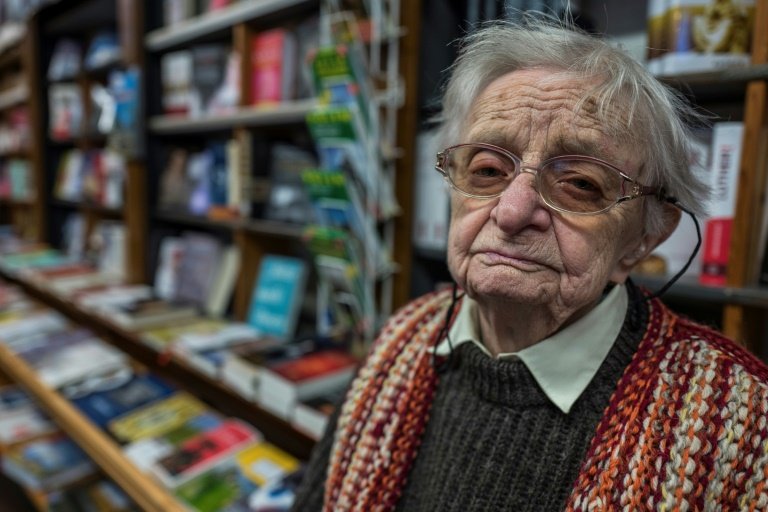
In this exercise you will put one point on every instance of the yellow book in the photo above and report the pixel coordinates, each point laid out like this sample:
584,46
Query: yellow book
162,338
264,462
156,418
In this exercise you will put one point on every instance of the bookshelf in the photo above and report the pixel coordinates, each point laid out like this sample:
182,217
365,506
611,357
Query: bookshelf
21,206
735,93
82,21
145,491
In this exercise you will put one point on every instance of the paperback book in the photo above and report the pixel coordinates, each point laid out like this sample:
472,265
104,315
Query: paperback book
156,418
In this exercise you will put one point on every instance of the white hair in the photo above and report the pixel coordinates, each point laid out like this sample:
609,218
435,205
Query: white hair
658,120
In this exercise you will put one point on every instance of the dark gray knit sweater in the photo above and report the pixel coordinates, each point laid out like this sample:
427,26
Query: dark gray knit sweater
494,441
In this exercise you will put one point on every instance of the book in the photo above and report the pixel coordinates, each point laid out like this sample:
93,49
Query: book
287,197
163,337
311,415
273,66
22,423
221,488
431,215
102,406
201,258
147,313
277,296
282,385
66,110
704,35
13,397
223,284
47,462
243,363
156,418
62,363
209,72
145,452
264,463
176,76
198,453
279,494
727,139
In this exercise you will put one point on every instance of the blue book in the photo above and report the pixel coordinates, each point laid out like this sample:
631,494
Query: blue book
277,296
102,406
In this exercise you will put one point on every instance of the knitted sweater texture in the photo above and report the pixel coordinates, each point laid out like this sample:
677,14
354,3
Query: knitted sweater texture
675,419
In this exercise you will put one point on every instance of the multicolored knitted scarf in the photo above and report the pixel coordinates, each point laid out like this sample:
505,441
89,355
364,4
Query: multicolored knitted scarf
686,428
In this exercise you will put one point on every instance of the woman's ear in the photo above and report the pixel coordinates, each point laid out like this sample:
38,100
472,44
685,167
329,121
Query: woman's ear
646,245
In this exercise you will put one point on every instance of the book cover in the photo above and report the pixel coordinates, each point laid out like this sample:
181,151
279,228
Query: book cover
156,418
201,258
727,139
264,463
148,313
283,384
22,423
196,454
163,337
277,296
273,66
103,406
209,71
277,494
144,453
221,488
243,363
287,197
177,82
311,415
47,462
223,285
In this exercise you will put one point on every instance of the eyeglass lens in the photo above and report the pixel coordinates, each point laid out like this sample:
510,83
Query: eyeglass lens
574,185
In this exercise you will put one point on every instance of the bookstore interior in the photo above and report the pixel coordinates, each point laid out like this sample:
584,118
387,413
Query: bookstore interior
209,207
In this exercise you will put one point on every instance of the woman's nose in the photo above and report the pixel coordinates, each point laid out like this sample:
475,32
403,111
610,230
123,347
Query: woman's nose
520,206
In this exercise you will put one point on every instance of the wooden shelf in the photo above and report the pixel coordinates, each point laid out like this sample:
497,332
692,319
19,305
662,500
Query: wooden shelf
211,23
293,112
724,84
275,430
15,153
689,288
88,206
144,490
17,203
255,226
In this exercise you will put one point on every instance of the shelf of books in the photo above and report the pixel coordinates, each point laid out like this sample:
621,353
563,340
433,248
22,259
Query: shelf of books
19,175
91,404
94,186
272,134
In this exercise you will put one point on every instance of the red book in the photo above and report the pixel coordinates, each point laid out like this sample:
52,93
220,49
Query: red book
285,383
200,452
273,66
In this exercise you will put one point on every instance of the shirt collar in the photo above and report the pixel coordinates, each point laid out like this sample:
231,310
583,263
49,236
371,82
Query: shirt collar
565,363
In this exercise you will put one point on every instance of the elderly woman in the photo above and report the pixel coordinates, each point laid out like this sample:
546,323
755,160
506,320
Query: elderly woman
548,381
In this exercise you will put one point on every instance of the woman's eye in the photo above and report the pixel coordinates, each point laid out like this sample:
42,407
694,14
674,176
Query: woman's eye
487,172
583,184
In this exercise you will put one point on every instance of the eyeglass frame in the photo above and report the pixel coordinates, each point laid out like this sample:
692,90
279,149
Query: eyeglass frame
638,189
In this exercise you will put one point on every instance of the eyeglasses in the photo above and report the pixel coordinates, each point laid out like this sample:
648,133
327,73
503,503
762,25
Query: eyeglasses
574,184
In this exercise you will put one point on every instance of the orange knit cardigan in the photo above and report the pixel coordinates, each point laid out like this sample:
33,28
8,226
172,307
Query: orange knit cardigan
686,428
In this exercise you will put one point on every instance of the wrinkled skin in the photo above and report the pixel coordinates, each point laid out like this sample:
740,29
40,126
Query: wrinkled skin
532,269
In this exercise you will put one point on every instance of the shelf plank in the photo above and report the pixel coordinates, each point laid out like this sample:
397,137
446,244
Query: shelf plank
105,452
90,207
275,430
292,112
212,22
689,288
254,226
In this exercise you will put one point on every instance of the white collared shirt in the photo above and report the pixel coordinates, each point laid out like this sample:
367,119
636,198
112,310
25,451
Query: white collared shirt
565,363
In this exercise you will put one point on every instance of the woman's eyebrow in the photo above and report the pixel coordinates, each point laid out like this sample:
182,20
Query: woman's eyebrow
576,146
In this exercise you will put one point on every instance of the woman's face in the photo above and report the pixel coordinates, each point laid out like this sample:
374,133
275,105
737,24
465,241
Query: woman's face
513,248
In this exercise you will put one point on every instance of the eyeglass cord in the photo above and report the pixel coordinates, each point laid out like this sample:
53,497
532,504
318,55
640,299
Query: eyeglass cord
663,289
